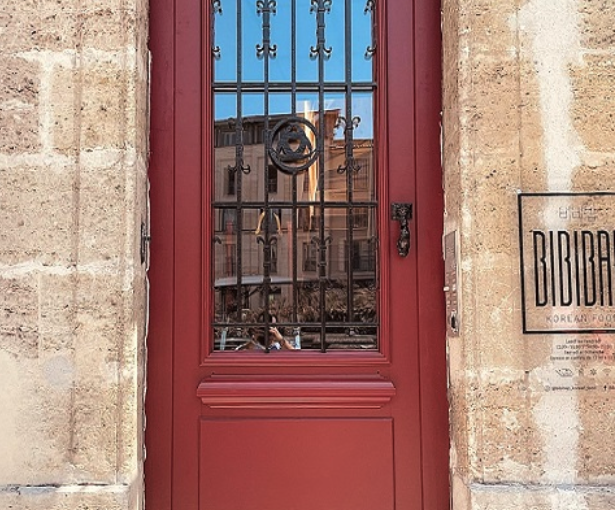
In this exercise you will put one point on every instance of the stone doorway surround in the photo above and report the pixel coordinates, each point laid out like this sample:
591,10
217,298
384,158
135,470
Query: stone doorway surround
528,101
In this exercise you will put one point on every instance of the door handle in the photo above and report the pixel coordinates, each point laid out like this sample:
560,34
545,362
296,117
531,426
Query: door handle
402,212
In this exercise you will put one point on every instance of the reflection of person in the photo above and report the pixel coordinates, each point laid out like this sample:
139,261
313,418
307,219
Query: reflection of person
275,339
261,218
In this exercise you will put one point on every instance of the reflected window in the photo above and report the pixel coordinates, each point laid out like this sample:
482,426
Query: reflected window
309,257
272,181
230,181
360,218
363,256
228,221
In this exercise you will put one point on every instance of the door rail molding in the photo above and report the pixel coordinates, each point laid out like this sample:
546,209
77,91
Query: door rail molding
285,392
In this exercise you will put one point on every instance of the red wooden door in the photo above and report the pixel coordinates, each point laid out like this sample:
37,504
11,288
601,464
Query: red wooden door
348,428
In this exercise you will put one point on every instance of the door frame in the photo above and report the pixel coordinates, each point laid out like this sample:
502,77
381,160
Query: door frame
176,222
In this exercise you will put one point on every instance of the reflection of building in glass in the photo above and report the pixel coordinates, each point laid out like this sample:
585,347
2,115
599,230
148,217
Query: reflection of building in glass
349,223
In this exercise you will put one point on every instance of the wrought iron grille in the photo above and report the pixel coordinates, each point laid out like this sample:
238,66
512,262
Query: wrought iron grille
296,244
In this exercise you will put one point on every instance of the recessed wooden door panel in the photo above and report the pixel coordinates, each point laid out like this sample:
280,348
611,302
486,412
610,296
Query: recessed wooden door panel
298,464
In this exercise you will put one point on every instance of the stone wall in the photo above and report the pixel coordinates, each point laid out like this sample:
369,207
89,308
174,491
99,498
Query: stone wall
529,101
73,150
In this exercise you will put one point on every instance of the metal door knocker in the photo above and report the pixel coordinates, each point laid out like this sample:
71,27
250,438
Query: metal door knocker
402,213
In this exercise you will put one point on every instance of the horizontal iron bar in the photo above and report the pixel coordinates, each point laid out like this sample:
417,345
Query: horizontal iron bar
289,205
296,324
288,87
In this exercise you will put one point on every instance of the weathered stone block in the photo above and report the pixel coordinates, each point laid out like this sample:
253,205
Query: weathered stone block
19,310
107,27
19,106
57,312
596,174
107,106
141,111
598,20
597,442
93,108
107,208
100,324
93,448
64,111
31,24
494,221
509,447
70,497
493,106
36,205
36,420
491,32
540,498
79,402
594,90
531,130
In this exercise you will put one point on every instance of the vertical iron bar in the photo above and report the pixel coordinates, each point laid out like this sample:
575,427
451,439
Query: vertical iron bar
322,6
265,8
216,8
350,166
239,164
293,102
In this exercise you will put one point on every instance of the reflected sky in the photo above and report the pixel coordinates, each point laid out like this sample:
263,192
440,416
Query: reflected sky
306,69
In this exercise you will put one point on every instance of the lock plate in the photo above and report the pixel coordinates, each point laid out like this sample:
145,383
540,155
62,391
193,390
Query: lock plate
450,284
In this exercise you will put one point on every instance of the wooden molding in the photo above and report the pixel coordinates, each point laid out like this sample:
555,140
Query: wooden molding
285,392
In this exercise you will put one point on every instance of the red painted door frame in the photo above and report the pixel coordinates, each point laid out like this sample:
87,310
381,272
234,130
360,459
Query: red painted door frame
177,260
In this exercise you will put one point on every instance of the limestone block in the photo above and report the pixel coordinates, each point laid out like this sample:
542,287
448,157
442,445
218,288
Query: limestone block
63,111
106,377
460,416
494,221
598,20
107,106
19,310
540,498
492,31
57,312
594,91
509,447
597,174
493,102
531,129
19,106
597,443
95,418
56,26
78,399
93,107
30,24
108,27
106,212
36,206
460,494
100,326
70,497
141,108
497,312
131,376
494,174
36,419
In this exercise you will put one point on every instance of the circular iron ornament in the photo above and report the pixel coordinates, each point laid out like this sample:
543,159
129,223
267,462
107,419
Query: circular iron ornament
292,146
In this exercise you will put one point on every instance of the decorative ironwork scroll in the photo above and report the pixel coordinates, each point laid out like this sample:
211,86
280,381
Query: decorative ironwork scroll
292,147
